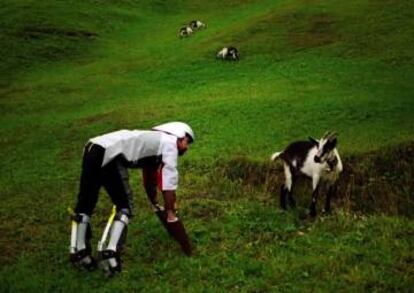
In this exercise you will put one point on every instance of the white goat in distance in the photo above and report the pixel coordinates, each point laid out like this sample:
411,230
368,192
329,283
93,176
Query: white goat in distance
318,160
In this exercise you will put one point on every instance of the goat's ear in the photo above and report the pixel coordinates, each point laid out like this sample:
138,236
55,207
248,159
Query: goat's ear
314,141
334,142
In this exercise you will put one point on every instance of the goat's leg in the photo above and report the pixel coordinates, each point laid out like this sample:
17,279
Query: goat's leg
283,192
331,192
315,187
313,203
291,200
286,188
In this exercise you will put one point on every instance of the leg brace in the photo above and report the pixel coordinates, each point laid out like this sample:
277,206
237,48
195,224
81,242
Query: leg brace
111,260
80,248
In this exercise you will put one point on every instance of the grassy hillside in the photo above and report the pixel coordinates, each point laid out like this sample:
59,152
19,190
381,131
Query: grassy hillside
70,70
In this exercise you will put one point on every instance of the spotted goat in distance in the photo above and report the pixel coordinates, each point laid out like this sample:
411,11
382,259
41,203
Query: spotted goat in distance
318,160
228,53
196,25
185,31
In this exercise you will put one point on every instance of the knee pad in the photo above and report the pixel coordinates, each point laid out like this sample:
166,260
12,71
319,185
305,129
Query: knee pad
123,215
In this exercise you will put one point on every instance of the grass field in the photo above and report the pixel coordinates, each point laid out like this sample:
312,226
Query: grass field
71,70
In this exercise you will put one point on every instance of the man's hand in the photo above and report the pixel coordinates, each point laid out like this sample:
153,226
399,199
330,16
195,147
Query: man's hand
171,217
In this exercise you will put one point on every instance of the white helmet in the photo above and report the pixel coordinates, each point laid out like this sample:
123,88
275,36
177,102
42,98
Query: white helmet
178,129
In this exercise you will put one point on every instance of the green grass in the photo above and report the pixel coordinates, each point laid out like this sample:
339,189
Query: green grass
70,70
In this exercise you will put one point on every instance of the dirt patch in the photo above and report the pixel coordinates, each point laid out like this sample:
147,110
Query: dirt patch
42,32
9,252
279,32
310,31
95,118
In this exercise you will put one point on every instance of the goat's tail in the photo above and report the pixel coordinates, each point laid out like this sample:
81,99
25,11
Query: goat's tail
275,156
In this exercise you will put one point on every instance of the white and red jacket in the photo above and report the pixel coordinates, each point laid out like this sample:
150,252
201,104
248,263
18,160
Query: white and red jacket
140,148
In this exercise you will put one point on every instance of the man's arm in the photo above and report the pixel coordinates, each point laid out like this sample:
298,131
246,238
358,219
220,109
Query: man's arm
169,200
168,184
150,183
169,179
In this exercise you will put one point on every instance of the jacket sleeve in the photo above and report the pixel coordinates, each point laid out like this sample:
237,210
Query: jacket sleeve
169,172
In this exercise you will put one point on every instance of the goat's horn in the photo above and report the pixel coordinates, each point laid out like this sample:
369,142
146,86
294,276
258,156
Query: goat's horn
326,134
332,135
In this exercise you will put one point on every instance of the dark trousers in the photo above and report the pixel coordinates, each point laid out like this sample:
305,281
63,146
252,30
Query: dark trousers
113,177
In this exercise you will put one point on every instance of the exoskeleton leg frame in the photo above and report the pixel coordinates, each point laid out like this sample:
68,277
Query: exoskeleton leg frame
80,247
117,224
